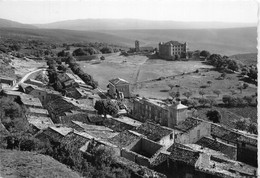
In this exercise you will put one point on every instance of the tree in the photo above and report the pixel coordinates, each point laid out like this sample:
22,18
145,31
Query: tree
205,53
63,54
232,64
202,92
252,74
241,124
214,116
106,107
209,83
171,85
203,101
102,58
189,54
217,92
176,57
187,94
252,128
233,92
196,54
105,50
79,52
248,99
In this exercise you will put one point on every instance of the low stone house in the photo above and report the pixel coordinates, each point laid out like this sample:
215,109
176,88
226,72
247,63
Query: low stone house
191,130
194,161
246,144
119,88
54,133
227,149
8,81
157,133
121,123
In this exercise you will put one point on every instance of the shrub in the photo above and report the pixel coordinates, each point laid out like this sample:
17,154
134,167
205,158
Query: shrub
203,101
205,53
176,57
217,92
202,92
203,86
187,94
214,116
102,58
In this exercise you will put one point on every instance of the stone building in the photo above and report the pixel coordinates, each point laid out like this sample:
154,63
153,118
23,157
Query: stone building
169,49
119,88
158,111
142,49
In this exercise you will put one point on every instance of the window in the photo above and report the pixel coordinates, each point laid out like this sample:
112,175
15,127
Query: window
171,136
198,133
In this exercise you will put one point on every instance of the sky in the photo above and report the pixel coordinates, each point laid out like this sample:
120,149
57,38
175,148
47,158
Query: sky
47,11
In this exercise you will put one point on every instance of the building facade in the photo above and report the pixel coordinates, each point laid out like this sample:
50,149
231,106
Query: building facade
119,88
158,111
170,49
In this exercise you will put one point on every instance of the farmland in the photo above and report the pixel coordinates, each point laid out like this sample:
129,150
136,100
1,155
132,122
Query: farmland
138,69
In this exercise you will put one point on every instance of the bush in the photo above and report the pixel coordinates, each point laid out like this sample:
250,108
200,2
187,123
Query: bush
214,116
176,57
102,58
203,101
205,53
217,92
105,50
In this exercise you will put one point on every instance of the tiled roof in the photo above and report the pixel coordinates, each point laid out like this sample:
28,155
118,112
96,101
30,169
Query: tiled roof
75,140
38,110
98,132
7,78
118,80
128,120
89,127
62,130
216,145
187,124
231,136
174,43
124,138
247,140
153,131
40,122
184,154
30,101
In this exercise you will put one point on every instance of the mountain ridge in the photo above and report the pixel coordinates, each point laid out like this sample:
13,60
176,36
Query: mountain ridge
130,24
4,23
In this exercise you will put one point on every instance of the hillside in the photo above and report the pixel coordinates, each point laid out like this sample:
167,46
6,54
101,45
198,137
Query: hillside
127,24
12,24
28,164
247,59
223,41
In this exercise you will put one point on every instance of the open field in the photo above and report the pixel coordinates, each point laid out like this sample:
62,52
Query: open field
28,164
137,69
23,67
231,115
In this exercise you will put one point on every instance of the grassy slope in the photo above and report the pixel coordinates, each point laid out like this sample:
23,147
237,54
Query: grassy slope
223,41
29,164
247,59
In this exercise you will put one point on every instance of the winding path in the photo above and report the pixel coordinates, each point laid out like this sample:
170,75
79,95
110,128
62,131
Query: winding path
15,87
